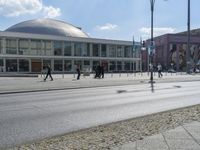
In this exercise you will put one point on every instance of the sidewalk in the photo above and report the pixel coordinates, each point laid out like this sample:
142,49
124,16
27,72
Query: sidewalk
68,81
185,137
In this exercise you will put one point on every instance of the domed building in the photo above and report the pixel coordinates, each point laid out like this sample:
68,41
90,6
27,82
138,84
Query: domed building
30,45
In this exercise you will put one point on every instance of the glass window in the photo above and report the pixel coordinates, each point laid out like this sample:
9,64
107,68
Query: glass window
78,62
46,62
67,48
112,51
119,65
1,65
1,46
112,66
11,46
68,65
128,51
57,48
58,65
120,51
85,49
127,66
36,47
47,48
77,49
23,65
11,65
95,63
103,50
81,49
95,49
23,47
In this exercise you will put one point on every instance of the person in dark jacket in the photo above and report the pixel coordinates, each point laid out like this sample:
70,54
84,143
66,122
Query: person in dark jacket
98,71
48,67
78,72
102,70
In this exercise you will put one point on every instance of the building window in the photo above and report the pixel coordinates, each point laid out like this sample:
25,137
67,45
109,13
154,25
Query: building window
77,49
47,48
58,64
23,65
127,66
120,51
36,47
112,66
128,51
81,49
103,50
57,48
23,47
1,46
67,48
68,65
11,65
11,46
112,51
119,66
1,65
95,50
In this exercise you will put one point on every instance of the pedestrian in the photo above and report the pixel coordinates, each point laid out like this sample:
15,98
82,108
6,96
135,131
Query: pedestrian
159,67
98,71
78,71
48,67
102,70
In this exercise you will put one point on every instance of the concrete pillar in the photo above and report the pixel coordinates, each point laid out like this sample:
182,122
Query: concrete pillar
72,48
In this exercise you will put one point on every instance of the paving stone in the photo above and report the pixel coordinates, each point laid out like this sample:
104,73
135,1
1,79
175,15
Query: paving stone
177,133
155,142
194,129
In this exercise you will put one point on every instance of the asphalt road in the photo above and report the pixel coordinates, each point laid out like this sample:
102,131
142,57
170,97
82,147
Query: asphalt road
26,117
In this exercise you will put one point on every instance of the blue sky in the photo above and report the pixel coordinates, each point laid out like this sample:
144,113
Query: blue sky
111,19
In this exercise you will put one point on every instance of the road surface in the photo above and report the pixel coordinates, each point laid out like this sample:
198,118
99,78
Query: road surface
26,117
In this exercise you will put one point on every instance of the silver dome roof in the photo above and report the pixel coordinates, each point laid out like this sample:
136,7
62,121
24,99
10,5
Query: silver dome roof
49,27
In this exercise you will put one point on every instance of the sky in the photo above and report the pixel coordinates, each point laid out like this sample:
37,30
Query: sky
107,19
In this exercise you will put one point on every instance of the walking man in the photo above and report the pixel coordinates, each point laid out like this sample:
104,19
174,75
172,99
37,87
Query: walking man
159,70
78,72
48,67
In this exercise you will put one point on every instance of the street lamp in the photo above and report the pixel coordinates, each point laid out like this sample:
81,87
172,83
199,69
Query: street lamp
188,40
152,2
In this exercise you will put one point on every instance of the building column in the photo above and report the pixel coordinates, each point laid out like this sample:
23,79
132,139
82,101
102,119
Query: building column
4,45
4,63
17,40
177,58
100,50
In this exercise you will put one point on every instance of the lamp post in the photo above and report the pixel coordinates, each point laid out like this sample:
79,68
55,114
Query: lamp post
188,40
152,2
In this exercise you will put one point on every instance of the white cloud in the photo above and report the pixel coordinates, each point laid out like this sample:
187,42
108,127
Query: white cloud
15,8
107,26
146,32
51,12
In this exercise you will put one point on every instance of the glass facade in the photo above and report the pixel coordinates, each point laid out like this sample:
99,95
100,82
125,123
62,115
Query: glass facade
103,50
58,65
23,65
11,46
47,48
11,65
128,51
44,52
120,51
23,47
1,65
57,48
36,47
1,46
96,50
112,50
67,48
68,65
